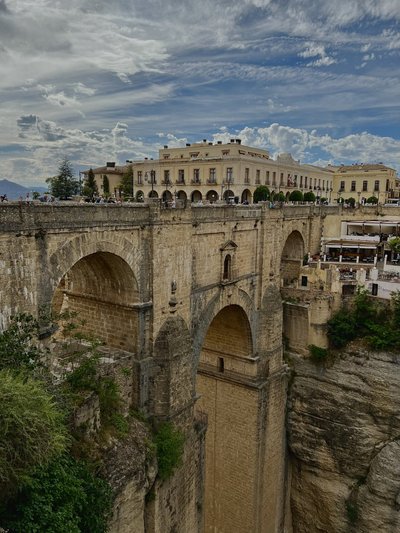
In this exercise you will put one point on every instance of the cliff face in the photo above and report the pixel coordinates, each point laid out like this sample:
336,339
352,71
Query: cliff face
344,442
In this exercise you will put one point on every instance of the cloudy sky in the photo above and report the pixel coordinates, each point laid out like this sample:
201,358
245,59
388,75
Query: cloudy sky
110,80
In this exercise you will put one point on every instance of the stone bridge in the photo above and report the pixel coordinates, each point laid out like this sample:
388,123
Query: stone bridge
194,296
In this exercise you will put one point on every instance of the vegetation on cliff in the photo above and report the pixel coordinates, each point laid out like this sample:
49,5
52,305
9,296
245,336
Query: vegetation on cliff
44,485
368,319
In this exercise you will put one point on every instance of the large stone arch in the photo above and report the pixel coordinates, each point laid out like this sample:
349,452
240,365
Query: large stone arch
229,295
292,257
229,400
64,258
101,292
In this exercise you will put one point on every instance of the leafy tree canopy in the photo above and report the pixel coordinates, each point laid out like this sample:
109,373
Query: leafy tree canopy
63,496
372,200
106,186
64,184
296,196
126,184
261,194
394,244
32,429
90,186
309,196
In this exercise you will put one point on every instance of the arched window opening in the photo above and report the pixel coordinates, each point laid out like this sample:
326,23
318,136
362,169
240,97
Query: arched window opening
227,275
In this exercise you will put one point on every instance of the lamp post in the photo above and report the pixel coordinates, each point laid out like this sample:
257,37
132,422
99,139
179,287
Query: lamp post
152,177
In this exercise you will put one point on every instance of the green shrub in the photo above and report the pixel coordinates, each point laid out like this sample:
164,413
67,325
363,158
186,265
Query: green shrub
32,428
279,197
352,512
62,497
317,354
351,201
169,444
341,328
372,200
18,344
261,194
296,196
309,197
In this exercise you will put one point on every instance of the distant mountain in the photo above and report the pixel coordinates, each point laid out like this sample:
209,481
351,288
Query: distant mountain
15,190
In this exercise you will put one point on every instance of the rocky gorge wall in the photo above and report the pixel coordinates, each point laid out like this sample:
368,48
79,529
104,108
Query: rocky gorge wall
344,443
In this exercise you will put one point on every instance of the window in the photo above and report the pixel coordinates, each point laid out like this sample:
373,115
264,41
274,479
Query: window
376,186
229,174
196,175
301,182
181,176
246,175
281,178
221,365
304,281
353,186
374,289
166,176
274,179
305,181
140,177
387,185
341,186
267,178
227,268
212,176
365,185
257,177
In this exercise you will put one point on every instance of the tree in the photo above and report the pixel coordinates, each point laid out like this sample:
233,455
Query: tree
106,186
126,184
90,187
280,197
372,200
261,194
64,496
64,184
309,196
296,196
32,429
351,201
394,244
19,344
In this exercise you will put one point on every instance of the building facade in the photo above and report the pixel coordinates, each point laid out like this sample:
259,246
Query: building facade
208,172
364,181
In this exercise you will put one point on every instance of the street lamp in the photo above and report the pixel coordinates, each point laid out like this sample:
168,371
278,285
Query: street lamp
152,178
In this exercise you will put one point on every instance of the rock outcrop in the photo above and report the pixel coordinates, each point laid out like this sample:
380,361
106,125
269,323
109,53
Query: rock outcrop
344,442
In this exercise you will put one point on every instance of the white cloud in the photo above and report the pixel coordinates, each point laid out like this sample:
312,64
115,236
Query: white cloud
315,50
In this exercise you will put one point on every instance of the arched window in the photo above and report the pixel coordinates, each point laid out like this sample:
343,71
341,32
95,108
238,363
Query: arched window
227,268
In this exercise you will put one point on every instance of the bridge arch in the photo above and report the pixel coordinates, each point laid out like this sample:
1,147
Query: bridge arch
102,291
292,258
225,371
230,295
63,259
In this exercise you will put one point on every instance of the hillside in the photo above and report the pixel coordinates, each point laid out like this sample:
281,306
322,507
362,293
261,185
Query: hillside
15,190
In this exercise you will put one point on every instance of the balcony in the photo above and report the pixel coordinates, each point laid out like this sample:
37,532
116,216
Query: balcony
195,181
212,181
